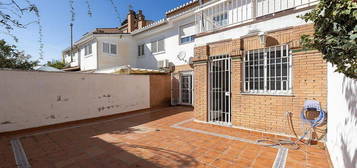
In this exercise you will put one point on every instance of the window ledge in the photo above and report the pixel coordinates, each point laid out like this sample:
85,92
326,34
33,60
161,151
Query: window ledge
189,42
268,94
89,55
111,55
157,53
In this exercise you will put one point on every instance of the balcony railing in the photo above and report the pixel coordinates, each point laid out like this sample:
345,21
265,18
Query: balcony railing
223,13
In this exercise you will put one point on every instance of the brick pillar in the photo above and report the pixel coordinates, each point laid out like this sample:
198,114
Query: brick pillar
236,90
236,55
200,89
201,83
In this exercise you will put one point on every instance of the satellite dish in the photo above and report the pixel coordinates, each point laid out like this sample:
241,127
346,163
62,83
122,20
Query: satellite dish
181,56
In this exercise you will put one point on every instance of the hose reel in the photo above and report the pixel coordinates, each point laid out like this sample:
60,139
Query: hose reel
313,114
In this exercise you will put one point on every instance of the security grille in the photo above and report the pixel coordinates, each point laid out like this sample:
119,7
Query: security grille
268,70
219,89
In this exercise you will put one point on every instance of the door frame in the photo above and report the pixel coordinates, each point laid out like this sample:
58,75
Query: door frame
185,73
212,115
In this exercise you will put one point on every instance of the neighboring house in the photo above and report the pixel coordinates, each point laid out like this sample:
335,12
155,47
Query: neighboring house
169,44
238,62
105,48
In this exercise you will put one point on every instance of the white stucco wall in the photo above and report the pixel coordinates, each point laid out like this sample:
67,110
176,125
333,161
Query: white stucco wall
33,99
74,61
125,48
265,26
342,120
89,62
169,32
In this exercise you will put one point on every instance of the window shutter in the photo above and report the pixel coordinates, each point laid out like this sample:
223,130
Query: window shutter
187,30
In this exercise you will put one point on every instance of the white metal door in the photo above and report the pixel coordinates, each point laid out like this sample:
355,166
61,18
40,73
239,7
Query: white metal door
186,88
219,89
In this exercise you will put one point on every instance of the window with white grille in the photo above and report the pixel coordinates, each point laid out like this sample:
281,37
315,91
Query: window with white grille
109,48
268,70
88,50
158,46
113,49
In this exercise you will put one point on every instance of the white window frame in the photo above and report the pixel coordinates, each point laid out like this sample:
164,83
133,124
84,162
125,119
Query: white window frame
141,50
110,46
88,50
156,42
266,90
190,37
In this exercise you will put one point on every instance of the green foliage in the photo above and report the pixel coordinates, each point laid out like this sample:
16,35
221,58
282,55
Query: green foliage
11,58
56,64
335,35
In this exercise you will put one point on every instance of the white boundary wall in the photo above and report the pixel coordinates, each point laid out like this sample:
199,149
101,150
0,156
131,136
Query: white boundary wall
34,99
342,119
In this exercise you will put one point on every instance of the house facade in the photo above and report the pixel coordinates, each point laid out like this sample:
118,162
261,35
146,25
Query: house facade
105,48
249,67
238,62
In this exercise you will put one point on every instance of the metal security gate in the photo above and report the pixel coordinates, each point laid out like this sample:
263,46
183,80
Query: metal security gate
186,88
219,89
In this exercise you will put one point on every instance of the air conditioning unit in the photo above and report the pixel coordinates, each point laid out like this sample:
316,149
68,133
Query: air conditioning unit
163,64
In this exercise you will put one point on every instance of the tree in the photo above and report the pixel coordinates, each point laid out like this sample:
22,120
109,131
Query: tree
335,36
11,58
56,64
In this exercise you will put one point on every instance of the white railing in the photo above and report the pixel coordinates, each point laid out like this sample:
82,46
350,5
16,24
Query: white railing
223,13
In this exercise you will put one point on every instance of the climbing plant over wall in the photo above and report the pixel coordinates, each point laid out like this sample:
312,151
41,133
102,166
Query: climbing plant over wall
335,35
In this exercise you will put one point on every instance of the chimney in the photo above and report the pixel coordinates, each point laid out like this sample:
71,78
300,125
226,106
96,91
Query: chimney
131,21
141,19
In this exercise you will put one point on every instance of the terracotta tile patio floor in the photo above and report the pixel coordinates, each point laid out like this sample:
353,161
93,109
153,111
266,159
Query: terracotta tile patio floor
163,137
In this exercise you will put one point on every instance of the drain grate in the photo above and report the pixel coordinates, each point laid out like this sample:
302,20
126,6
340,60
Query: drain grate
280,159
19,153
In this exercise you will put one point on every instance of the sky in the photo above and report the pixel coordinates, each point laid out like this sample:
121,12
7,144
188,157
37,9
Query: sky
55,17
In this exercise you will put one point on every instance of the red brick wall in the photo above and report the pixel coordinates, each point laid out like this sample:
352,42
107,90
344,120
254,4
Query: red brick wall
160,90
200,91
265,112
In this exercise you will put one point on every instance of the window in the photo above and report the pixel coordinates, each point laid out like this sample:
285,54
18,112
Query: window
141,50
158,46
109,48
221,19
105,47
88,49
187,33
113,49
268,70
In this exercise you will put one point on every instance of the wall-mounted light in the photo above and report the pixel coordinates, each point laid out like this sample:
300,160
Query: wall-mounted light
262,38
